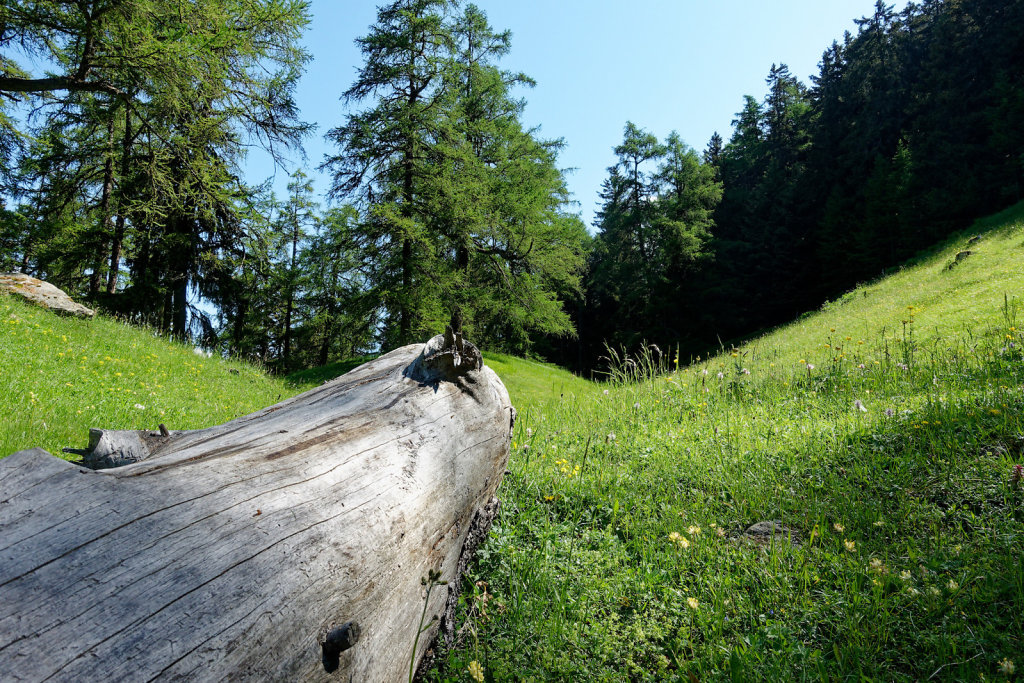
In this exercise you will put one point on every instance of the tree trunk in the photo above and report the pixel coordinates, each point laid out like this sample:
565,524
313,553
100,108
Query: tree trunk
286,354
285,545
165,312
238,328
179,309
330,325
122,209
104,228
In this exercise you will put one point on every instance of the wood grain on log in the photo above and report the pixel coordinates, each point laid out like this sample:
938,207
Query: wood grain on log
285,545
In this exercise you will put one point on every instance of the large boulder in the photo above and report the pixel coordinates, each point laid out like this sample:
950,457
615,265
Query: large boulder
43,294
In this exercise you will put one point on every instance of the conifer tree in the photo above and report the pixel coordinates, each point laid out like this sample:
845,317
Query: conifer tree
497,198
382,162
713,152
340,318
654,232
462,206
298,219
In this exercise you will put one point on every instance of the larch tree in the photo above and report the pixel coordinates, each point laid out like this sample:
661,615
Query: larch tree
621,267
340,317
299,220
175,90
463,208
382,162
498,200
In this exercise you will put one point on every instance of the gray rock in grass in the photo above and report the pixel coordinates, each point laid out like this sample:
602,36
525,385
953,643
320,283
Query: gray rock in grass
43,294
762,533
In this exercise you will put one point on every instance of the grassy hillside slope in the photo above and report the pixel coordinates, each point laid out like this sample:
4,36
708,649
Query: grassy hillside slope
61,376
880,433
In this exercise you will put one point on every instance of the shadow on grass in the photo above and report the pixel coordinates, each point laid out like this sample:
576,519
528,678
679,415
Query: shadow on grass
317,376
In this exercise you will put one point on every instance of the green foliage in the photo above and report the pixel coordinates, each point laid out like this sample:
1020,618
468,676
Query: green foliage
498,198
904,137
463,208
136,142
339,315
382,159
654,236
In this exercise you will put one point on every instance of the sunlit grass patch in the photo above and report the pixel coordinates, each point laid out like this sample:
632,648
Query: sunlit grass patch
62,376
883,432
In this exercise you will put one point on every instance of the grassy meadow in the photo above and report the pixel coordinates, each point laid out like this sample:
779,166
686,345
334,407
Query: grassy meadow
61,376
882,435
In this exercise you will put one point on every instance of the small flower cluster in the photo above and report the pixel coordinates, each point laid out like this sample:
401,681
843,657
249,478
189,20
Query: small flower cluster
679,540
566,469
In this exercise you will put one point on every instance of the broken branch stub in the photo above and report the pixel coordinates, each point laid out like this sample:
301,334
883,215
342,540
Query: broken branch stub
446,357
285,545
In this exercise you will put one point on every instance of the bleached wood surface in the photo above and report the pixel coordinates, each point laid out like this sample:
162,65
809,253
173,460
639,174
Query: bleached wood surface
231,552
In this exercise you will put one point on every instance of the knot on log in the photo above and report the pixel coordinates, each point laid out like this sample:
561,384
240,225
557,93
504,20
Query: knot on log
337,640
445,357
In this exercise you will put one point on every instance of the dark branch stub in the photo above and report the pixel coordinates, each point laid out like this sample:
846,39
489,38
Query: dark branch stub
337,640
445,357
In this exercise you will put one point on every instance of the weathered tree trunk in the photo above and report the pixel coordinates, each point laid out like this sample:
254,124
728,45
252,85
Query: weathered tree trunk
285,545
122,208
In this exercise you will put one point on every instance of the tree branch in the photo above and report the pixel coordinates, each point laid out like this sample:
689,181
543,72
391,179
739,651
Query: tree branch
12,84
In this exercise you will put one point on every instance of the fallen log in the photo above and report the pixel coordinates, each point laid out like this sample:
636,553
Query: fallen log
289,544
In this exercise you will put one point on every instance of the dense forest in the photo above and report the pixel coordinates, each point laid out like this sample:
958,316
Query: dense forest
121,164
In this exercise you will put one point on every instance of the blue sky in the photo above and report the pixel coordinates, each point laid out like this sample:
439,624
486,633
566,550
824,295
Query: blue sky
666,65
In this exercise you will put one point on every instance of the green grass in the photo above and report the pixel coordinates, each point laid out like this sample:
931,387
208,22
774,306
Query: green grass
618,554
909,564
62,376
